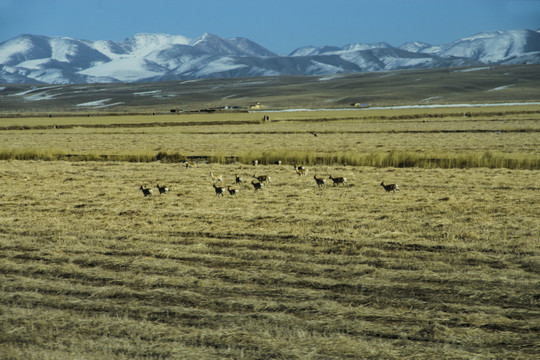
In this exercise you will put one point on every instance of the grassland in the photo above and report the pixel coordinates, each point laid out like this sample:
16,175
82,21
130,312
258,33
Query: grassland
425,138
448,267
493,84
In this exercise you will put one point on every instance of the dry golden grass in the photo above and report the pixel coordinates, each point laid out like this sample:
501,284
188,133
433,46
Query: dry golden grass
510,134
448,267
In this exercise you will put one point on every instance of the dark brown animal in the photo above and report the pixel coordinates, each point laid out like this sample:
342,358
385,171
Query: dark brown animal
390,187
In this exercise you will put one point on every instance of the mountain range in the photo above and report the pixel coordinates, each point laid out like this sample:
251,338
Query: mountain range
162,57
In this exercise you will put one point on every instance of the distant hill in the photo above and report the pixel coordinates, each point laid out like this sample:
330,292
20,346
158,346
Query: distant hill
423,87
162,57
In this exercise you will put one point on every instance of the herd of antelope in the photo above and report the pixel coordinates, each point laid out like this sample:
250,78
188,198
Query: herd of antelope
258,182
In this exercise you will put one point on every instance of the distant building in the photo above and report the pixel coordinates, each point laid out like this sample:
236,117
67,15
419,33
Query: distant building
258,105
359,105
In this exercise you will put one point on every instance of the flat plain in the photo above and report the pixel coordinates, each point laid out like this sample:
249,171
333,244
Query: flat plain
447,267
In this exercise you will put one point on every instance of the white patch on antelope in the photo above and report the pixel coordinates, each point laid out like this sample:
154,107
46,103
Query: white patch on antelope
301,171
146,192
162,189
257,185
219,190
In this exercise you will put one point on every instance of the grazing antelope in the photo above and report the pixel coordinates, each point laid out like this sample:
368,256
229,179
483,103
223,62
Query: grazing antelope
219,190
338,180
320,182
263,178
390,187
216,178
146,192
189,164
232,191
162,189
301,171
257,185
238,180
298,167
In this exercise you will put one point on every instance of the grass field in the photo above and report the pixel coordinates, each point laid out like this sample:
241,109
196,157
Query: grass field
447,267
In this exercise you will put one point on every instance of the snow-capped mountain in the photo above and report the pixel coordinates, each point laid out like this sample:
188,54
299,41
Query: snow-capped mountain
489,47
157,57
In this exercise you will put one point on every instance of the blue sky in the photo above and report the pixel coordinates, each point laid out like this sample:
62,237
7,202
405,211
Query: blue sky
279,25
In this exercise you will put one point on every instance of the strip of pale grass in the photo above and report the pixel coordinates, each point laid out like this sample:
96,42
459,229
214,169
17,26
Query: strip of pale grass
31,154
398,159
364,115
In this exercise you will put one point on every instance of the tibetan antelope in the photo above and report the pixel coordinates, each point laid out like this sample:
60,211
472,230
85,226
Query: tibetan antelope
232,191
263,178
338,180
257,185
146,192
298,167
390,187
216,178
320,182
219,190
255,162
238,180
189,164
301,171
162,189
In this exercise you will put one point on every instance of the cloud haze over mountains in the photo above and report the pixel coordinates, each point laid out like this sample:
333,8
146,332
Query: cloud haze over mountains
162,57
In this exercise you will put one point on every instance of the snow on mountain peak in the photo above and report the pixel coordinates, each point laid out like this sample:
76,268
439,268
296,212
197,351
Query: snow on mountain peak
335,50
145,43
361,47
305,51
490,47
13,47
63,49
482,35
414,46
154,57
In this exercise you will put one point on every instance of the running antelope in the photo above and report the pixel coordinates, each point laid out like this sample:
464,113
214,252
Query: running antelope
232,191
338,180
301,171
263,178
162,189
320,182
219,190
257,185
390,187
146,192
216,178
